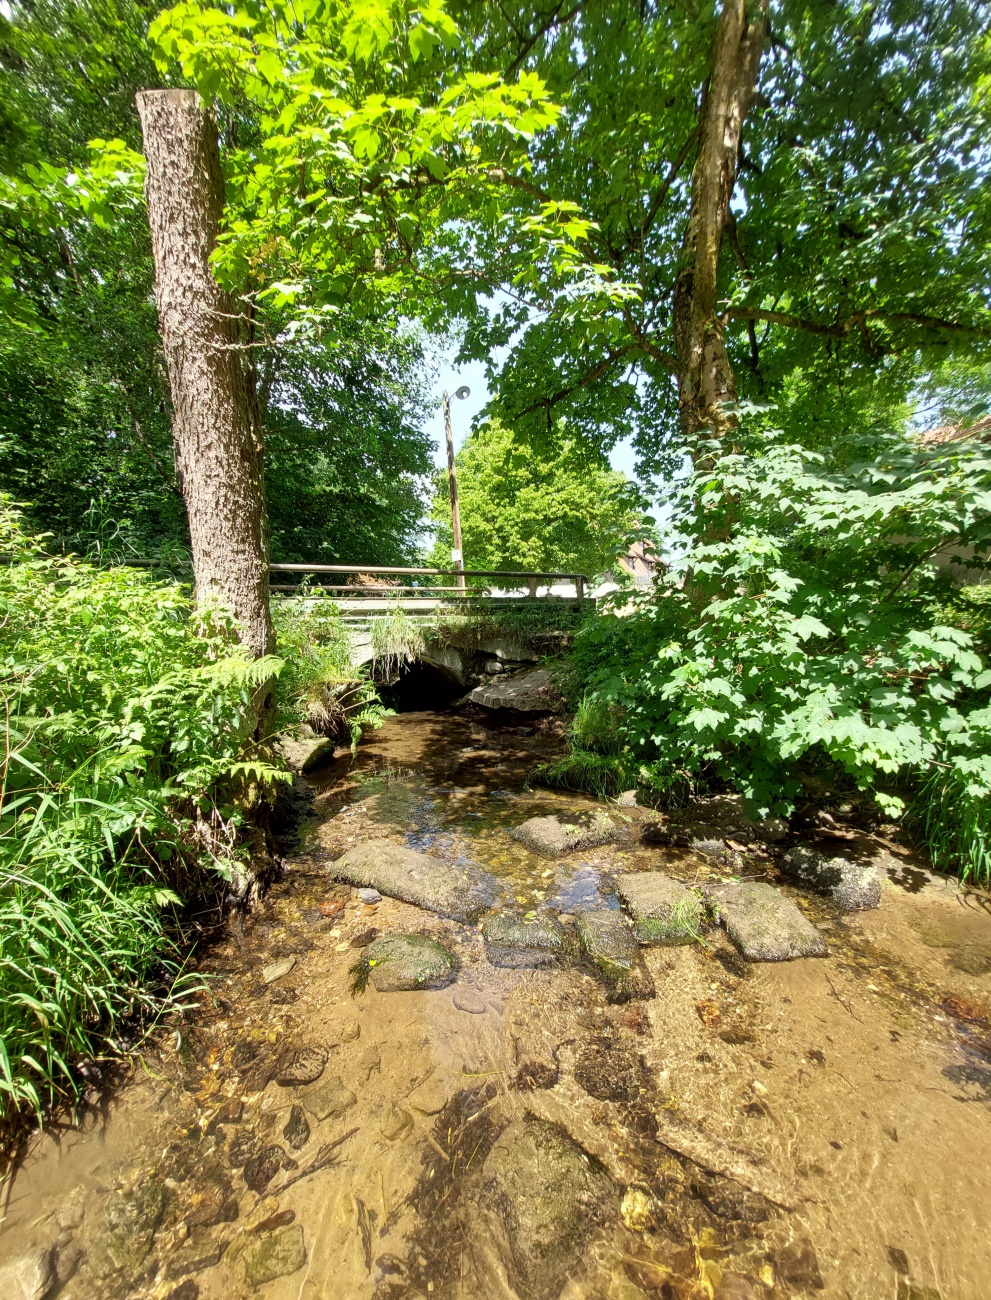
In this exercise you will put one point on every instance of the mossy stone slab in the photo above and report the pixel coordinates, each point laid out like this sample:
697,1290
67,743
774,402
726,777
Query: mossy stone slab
663,910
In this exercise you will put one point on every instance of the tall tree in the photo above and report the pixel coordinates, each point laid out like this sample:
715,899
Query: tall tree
206,337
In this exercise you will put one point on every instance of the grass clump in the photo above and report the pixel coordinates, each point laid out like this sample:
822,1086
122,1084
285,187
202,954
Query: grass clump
125,751
952,813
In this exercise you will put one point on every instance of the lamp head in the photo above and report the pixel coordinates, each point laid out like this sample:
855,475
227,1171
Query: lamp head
462,392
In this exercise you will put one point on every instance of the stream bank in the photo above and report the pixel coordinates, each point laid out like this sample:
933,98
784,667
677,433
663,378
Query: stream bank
809,1127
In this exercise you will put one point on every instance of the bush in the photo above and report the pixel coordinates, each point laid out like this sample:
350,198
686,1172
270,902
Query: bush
125,751
802,616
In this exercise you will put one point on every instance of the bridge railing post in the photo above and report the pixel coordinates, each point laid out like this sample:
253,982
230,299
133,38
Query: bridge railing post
532,586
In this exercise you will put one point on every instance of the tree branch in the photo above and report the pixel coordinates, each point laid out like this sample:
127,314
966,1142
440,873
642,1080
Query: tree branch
856,321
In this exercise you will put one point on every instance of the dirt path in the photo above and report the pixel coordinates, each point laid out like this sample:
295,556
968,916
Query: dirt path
816,1127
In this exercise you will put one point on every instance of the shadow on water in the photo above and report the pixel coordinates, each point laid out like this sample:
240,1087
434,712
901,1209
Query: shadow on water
752,1132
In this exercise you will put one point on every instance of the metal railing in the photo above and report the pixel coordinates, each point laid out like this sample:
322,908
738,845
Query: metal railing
510,580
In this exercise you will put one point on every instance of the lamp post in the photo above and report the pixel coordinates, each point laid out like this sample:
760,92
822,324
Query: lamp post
456,554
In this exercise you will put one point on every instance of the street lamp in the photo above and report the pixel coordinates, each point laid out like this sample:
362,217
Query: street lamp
456,554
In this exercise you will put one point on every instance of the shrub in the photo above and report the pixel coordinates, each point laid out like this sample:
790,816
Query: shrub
125,751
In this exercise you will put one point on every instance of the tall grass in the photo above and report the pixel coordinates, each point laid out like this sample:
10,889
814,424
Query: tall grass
124,747
952,812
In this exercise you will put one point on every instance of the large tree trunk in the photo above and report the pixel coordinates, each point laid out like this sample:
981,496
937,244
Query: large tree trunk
705,376
206,340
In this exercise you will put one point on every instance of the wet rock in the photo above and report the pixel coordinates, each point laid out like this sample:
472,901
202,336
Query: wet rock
280,1219
301,1067
532,692
541,1196
297,1129
610,1072
722,817
728,1200
607,939
853,886
906,1291
507,650
28,1277
552,837
243,1146
124,1238
660,835
397,1124
763,924
277,969
305,754
369,896
399,962
329,1100
68,1257
796,1265
195,1255
350,1031
429,1098
230,1112
262,1168
469,1001
663,910
455,891
628,799
516,942
188,1290
211,1203
736,1286
276,1254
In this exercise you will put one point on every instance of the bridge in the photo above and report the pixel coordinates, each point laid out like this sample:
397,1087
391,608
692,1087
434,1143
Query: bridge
423,593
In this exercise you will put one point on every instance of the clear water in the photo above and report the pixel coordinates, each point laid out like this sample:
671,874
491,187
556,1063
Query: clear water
809,1128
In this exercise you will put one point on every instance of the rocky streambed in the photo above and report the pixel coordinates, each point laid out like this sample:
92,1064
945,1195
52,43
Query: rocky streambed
484,1042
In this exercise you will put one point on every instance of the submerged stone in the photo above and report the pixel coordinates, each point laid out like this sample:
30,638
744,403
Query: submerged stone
297,1129
552,837
853,886
607,939
763,924
399,962
262,1168
124,1239
28,1277
532,692
275,1254
303,1066
514,941
663,911
540,1195
329,1099
455,891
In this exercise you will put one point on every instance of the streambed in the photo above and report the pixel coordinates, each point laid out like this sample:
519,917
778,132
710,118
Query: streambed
816,1127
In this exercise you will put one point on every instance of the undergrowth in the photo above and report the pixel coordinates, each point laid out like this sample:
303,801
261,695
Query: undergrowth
125,758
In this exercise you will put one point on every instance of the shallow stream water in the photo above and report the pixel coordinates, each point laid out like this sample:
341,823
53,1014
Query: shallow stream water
817,1127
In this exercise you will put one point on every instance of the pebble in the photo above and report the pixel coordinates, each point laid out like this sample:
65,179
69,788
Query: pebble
369,895
277,969
297,1129
466,1000
397,1123
350,1031
429,1098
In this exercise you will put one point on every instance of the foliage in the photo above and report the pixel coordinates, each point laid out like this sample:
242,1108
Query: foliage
319,684
803,615
856,253
550,506
532,623
396,640
124,751
952,813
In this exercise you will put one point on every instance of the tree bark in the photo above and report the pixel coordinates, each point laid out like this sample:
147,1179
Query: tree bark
206,342
705,376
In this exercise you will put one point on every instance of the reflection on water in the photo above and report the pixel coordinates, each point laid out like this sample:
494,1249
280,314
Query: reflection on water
809,1128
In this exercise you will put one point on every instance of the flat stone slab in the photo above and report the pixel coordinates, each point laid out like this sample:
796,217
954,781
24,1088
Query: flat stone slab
515,942
609,942
461,893
552,836
853,886
329,1099
273,1255
402,962
763,924
663,910
538,1200
532,692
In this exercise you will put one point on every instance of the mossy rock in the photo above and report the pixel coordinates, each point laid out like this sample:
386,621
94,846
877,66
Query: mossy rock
401,962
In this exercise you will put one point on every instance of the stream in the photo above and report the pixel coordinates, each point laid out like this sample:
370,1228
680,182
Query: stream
818,1127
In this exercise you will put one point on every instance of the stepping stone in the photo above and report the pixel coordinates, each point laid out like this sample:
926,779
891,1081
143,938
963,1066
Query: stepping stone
763,924
853,886
607,939
663,910
513,941
329,1099
461,893
399,962
552,837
